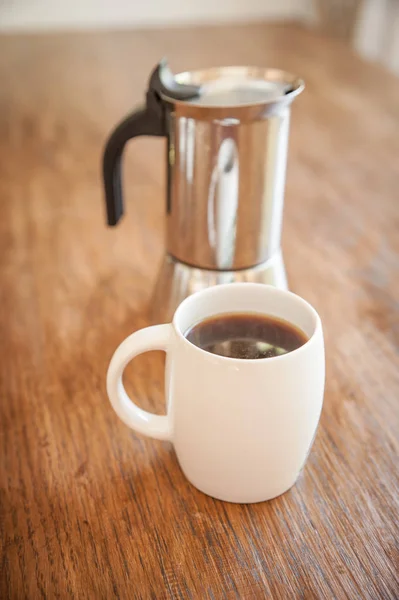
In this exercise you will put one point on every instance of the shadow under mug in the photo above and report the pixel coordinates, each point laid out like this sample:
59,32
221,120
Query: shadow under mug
242,429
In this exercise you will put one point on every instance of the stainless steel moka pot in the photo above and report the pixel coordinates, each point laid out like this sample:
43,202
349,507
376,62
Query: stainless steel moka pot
227,135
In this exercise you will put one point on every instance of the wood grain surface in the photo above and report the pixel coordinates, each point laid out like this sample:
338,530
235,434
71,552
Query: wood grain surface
91,510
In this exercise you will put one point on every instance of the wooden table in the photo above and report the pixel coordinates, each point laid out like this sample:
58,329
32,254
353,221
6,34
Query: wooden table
91,510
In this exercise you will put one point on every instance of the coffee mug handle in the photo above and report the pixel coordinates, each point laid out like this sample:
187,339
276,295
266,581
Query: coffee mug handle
158,337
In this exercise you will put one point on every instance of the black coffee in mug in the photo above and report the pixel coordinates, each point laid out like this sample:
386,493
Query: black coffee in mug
246,335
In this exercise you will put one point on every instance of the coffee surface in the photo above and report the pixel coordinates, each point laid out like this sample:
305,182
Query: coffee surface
246,335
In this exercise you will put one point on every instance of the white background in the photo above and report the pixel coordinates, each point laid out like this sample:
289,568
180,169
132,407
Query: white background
66,14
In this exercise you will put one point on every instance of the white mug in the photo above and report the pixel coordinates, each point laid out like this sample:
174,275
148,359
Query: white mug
242,429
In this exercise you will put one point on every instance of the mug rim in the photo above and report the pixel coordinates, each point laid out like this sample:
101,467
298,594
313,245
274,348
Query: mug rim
266,287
